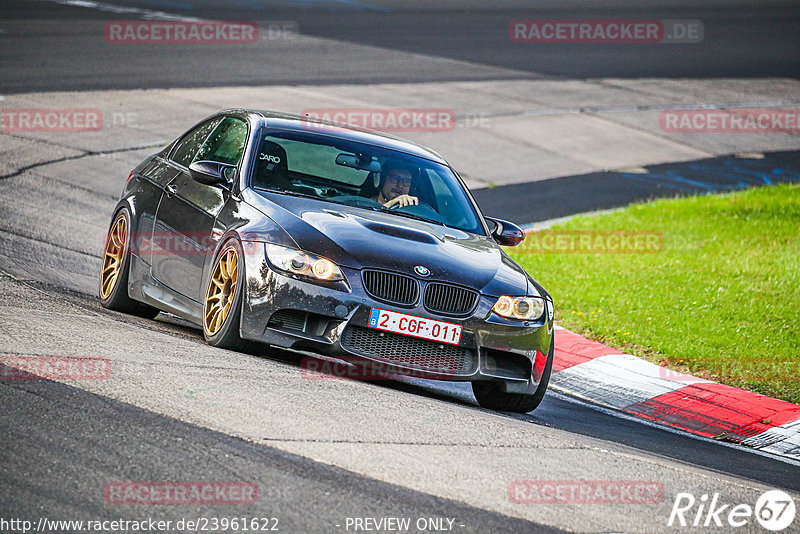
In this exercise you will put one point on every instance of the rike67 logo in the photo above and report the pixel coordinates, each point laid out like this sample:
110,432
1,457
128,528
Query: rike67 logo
774,510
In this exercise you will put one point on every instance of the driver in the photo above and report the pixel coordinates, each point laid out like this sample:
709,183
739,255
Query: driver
395,185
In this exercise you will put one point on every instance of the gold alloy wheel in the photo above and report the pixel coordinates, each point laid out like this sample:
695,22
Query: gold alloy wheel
221,291
113,256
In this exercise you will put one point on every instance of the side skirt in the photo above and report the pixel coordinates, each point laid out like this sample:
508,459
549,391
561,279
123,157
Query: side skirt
144,288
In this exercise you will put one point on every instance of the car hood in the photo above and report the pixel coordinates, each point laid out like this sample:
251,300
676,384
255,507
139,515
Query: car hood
360,238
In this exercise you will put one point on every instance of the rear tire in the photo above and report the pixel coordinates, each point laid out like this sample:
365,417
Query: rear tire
115,267
489,394
222,305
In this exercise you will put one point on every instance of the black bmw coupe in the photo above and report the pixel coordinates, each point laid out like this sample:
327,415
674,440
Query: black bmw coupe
275,229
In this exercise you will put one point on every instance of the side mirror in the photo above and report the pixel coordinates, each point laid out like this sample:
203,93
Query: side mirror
213,173
506,233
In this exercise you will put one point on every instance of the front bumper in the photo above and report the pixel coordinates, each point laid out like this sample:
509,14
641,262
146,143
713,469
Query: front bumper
331,319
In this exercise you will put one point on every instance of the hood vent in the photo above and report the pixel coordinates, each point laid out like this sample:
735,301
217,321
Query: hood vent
402,232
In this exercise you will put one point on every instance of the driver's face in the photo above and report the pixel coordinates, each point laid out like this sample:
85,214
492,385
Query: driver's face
398,182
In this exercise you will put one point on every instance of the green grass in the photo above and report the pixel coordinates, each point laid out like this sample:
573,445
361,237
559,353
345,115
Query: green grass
721,300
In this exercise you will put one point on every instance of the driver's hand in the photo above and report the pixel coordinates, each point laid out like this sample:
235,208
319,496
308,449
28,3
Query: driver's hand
402,201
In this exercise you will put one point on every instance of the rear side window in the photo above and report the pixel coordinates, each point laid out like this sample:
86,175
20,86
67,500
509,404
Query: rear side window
187,148
226,142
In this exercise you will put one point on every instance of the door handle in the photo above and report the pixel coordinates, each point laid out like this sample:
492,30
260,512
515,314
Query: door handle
171,190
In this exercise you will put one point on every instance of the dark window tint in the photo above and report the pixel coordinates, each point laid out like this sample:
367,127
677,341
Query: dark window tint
226,142
188,147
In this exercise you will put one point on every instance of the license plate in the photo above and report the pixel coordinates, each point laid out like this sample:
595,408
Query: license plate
411,325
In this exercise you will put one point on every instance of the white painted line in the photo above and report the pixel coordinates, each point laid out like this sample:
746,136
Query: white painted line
788,432
663,107
147,14
569,397
619,380
789,447
544,225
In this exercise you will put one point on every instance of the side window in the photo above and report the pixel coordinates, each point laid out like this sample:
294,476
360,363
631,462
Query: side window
226,142
186,149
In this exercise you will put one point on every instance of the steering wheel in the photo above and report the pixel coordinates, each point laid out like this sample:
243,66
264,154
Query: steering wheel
422,205
419,203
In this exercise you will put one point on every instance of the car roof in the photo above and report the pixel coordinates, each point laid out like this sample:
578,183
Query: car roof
288,121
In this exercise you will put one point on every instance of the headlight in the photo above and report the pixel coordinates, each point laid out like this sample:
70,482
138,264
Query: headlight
303,264
519,307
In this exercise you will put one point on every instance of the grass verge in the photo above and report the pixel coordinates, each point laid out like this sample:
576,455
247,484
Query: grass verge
719,300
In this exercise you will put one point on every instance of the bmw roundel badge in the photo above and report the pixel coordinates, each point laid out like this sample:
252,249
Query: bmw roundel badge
422,271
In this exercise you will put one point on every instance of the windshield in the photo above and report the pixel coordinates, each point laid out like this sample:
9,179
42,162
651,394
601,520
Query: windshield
361,175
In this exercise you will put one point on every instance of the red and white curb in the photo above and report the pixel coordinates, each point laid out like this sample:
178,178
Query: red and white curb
605,376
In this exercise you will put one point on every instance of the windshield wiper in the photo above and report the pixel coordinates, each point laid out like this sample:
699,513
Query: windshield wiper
406,214
286,192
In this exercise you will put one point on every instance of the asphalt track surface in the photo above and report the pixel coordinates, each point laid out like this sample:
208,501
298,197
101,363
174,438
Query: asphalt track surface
62,443
303,495
51,46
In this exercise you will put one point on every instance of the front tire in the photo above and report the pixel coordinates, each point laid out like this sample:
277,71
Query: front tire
115,269
489,394
222,306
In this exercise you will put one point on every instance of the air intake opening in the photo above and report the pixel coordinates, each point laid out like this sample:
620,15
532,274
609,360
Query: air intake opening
409,352
506,364
302,321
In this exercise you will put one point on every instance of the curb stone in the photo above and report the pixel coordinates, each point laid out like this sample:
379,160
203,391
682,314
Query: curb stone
606,376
